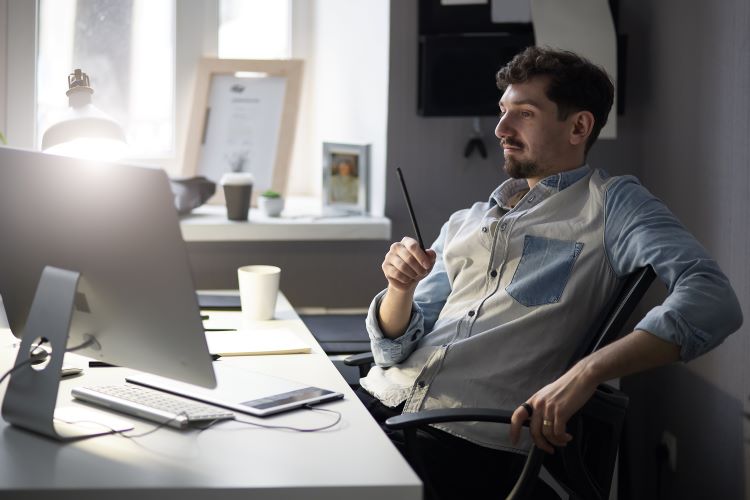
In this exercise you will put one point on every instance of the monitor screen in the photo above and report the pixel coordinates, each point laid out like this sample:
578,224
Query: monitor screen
117,226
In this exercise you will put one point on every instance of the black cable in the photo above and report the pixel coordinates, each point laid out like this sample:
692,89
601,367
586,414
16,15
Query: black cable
296,429
20,365
45,354
82,345
25,363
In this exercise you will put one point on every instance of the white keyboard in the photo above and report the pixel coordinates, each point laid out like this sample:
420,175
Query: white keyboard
152,404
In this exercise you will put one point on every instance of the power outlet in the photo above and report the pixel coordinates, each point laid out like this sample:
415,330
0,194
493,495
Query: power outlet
669,441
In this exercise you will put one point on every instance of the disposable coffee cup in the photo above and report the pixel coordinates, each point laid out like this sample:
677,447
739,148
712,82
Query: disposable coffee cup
238,189
259,286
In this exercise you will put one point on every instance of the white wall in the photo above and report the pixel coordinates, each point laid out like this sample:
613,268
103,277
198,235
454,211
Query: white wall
3,49
345,44
694,70
20,76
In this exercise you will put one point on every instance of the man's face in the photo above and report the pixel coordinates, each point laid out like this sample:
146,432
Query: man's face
345,168
535,143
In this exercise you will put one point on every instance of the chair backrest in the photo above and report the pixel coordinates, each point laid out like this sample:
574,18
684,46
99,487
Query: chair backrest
608,326
584,468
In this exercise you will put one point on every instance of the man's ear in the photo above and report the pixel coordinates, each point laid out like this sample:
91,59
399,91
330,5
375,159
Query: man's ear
583,124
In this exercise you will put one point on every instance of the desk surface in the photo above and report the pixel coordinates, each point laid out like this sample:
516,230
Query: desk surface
231,460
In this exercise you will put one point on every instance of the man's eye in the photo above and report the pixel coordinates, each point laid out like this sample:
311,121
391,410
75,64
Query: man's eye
526,114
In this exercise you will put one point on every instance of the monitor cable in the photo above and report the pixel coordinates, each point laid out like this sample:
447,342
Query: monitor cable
37,355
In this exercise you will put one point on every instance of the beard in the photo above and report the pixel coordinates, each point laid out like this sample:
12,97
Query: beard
518,169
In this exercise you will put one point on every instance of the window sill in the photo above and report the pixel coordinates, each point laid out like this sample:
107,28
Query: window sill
297,223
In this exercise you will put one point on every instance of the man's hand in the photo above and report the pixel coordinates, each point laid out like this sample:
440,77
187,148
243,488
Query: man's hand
406,264
558,401
553,406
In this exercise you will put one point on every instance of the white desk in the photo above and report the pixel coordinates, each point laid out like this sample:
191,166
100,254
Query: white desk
354,460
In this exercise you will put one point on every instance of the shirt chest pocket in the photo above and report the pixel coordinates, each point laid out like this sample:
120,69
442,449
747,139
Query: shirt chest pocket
543,271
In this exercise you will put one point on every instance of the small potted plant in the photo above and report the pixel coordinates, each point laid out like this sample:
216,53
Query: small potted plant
271,203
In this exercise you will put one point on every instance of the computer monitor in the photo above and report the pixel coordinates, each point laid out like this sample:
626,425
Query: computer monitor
117,226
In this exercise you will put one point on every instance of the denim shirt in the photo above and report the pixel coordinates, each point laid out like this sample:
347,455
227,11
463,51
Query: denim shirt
513,291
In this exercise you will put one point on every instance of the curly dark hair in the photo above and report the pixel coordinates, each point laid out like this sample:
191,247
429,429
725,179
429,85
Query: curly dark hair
575,83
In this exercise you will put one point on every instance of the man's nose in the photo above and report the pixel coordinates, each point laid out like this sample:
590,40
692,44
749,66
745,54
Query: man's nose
502,129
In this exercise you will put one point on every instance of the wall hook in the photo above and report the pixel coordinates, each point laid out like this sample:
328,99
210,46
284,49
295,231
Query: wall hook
476,142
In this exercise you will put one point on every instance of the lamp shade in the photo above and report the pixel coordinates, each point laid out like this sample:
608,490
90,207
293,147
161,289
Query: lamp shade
84,130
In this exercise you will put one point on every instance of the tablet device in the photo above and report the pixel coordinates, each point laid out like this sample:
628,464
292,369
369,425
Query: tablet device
244,391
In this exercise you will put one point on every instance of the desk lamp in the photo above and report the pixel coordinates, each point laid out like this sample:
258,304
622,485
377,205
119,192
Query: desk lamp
85,131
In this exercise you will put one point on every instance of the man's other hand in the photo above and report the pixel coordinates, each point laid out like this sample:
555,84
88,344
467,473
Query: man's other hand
553,406
406,264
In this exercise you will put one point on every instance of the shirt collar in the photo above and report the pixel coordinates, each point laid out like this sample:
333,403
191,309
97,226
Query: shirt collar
555,183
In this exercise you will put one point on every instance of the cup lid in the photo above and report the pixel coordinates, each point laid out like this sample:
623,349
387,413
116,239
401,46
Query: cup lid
237,179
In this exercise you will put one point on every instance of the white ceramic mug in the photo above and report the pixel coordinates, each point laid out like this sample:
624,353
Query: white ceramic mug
259,286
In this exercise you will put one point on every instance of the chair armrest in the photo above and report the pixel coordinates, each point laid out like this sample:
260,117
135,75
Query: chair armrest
426,417
363,360
606,403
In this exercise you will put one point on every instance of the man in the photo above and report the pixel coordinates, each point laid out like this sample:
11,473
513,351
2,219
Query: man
490,314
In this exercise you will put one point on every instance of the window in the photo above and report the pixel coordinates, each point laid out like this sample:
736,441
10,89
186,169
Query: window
127,47
255,29
142,57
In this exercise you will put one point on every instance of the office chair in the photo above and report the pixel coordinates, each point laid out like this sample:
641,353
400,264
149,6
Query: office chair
584,467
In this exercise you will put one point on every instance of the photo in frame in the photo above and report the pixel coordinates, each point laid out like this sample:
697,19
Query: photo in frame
243,120
346,170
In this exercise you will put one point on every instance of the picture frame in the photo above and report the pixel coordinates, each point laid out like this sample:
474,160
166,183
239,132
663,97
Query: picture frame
346,175
243,120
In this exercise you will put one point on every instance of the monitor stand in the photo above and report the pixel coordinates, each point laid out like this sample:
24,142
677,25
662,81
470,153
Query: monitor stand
31,396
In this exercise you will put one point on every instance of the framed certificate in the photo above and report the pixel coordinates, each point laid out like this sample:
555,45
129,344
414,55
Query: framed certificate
243,120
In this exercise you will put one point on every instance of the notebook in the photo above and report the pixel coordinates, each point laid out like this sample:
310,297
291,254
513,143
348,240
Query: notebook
232,343
244,391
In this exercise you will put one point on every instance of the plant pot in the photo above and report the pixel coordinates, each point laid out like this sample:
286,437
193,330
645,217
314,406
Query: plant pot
272,207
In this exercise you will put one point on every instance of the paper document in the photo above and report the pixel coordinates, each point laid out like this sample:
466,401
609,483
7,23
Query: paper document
221,320
247,343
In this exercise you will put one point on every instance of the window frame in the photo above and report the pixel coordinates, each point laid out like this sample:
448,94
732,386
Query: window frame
19,73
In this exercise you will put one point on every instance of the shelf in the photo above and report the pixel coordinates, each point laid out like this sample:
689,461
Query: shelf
298,223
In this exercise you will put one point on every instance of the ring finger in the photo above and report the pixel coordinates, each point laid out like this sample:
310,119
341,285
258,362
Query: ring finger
550,433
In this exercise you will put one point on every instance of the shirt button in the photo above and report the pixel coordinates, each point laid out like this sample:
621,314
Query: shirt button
493,273
531,198
471,313
503,226
484,229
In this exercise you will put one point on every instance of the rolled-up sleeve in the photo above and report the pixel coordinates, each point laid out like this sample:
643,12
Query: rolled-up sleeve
429,299
701,309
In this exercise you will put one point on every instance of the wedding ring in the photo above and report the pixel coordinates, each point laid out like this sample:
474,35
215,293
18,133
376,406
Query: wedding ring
547,423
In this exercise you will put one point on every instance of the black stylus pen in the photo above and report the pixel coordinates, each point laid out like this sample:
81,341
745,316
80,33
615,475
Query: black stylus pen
411,209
